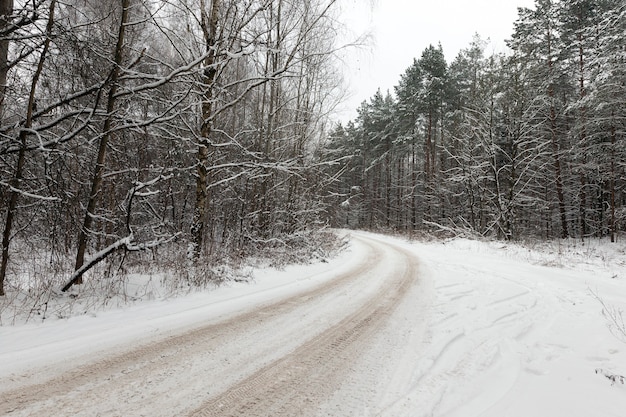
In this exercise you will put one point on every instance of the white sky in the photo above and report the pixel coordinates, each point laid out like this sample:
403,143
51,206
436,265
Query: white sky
402,29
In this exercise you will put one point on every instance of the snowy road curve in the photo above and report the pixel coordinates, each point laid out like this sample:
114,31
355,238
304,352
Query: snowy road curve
390,328
331,349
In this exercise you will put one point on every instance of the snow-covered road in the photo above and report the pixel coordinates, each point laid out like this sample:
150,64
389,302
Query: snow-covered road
388,329
292,351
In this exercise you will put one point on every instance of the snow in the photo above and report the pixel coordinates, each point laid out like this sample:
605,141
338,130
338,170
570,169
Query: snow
37,344
493,329
509,336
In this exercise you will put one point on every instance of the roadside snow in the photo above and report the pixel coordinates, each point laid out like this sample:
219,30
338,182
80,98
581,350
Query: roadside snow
509,336
82,337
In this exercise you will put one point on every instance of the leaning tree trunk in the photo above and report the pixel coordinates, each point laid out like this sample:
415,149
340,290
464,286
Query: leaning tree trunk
96,183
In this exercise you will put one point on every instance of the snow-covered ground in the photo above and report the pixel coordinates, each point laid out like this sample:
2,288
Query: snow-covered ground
485,329
515,331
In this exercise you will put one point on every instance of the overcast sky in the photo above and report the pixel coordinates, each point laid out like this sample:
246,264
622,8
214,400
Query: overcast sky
402,29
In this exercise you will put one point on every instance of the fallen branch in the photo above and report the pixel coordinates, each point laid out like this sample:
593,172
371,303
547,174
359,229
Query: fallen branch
124,242
462,232
614,317
127,243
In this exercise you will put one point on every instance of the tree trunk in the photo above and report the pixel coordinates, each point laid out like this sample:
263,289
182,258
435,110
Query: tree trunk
613,227
428,169
413,187
583,137
96,183
388,170
209,28
555,145
5,10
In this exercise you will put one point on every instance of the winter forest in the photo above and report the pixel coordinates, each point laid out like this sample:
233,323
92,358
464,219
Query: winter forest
527,144
191,133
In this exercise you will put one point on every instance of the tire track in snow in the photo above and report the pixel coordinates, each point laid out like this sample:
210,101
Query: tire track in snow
133,379
473,338
296,383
